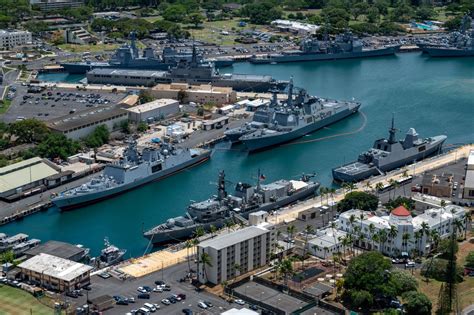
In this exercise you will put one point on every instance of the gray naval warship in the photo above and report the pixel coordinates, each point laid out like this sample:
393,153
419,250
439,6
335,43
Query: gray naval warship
224,207
296,118
459,43
345,46
132,171
389,154
128,57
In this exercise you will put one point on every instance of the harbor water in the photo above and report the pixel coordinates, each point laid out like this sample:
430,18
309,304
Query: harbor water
436,96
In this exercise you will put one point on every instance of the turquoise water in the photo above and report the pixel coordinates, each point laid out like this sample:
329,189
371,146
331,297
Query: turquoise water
436,96
60,77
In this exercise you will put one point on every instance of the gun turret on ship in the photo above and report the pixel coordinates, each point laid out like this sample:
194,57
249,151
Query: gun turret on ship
389,154
132,171
297,117
459,44
224,207
345,46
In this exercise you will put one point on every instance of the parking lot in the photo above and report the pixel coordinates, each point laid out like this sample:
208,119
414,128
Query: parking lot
55,102
128,288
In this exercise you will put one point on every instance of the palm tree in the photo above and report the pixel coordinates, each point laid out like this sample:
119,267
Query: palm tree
229,224
332,192
382,239
418,235
308,230
351,186
286,269
392,234
291,229
199,231
236,268
326,249
334,227
188,245
405,238
206,261
213,230
378,187
372,234
368,186
316,248
392,182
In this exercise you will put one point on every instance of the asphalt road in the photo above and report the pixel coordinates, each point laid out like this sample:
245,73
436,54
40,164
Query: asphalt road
128,288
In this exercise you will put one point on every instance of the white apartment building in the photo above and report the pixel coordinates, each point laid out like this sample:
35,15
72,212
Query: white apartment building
408,229
327,243
248,248
13,38
468,191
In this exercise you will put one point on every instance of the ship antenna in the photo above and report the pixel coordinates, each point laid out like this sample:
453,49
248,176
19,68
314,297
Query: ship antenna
392,131
290,93
221,192
194,56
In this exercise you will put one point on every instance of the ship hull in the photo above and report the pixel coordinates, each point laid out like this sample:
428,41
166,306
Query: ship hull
448,52
322,57
82,68
340,176
187,232
70,203
261,143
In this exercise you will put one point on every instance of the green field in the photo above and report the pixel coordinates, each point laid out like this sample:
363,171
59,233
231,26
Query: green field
18,302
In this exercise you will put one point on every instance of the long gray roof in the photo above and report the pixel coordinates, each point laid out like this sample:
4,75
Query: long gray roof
236,237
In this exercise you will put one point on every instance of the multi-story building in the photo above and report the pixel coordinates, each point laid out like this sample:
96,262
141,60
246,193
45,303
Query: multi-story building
438,185
13,38
235,253
468,190
49,5
403,233
55,273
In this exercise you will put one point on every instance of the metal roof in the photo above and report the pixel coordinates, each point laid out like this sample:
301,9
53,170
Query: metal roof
127,72
143,108
233,238
56,267
85,117
56,248
22,173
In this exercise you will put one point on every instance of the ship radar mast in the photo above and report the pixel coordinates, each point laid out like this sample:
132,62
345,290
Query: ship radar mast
290,93
221,192
392,131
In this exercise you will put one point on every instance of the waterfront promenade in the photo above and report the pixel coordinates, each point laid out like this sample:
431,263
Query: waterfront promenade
153,262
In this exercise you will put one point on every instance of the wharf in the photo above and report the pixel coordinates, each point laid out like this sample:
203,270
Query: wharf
159,260
410,48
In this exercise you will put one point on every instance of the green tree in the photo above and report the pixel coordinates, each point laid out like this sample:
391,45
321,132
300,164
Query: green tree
196,19
358,200
142,126
98,137
28,130
175,13
145,97
373,15
403,281
416,303
125,126
206,261
470,260
367,275
57,145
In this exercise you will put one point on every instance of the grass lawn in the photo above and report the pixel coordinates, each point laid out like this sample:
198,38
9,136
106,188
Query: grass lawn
90,48
4,107
18,302
465,289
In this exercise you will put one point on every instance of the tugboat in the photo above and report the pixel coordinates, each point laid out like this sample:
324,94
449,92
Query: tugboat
224,207
110,255
389,154
345,46
132,171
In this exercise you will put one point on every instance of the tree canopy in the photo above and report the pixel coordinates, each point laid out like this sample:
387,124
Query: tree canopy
98,137
28,130
358,200
416,303
57,145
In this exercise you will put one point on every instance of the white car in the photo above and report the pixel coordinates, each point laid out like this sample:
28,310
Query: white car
141,290
202,305
158,289
240,302
166,302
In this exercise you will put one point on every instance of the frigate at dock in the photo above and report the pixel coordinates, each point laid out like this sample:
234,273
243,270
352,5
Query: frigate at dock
224,207
389,154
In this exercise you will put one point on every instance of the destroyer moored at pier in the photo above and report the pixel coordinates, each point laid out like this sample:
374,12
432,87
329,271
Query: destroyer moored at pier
345,46
132,171
389,154
245,199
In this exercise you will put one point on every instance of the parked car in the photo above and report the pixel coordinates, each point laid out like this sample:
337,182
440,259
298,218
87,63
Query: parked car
240,302
202,305
144,296
165,302
187,311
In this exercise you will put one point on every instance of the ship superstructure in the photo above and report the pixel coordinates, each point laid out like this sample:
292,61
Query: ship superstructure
389,154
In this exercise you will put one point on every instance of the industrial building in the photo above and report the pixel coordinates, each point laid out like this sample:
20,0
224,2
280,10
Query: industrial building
468,191
79,36
217,123
437,185
295,27
248,248
10,39
58,249
440,220
125,77
201,94
18,178
49,5
154,110
55,273
82,123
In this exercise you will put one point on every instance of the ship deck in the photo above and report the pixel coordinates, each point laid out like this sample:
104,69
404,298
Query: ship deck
353,168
